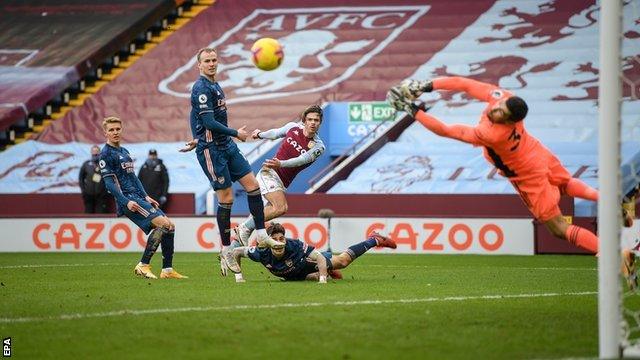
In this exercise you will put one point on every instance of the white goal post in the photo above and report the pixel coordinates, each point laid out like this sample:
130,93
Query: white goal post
609,216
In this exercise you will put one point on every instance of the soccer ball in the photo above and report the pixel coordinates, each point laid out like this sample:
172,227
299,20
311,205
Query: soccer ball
267,54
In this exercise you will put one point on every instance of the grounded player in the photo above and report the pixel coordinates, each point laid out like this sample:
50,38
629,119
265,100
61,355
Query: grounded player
219,157
299,261
301,147
117,170
535,172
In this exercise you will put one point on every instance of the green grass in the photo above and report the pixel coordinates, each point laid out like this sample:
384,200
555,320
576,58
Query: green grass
443,315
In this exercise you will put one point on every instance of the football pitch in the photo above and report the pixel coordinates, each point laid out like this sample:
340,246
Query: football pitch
90,305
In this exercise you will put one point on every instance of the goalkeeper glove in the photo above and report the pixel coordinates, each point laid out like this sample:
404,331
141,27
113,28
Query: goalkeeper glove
412,89
400,102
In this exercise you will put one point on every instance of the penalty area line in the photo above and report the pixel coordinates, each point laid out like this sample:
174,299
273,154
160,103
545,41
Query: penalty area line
80,316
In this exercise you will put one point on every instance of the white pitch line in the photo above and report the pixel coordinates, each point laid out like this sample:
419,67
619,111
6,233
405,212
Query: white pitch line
29,266
481,267
285,305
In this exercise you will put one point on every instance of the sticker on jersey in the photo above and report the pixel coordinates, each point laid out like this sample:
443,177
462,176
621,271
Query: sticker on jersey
497,94
288,262
311,144
317,153
317,42
202,98
153,210
221,180
102,164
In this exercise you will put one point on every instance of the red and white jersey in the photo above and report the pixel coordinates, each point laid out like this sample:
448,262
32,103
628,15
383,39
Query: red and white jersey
296,152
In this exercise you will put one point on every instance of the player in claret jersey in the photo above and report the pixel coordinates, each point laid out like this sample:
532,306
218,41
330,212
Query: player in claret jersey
118,172
300,148
535,172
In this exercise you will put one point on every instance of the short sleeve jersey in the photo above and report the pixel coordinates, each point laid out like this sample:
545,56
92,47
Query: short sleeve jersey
208,97
292,263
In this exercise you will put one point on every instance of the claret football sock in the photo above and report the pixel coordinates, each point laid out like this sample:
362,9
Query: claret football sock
358,249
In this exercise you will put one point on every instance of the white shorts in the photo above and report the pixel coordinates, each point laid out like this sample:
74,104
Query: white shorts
269,181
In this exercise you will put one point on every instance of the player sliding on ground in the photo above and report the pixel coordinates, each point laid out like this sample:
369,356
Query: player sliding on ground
301,147
299,261
535,173
118,172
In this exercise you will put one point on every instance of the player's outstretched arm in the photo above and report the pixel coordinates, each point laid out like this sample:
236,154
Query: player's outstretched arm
476,89
463,133
400,102
322,265
273,134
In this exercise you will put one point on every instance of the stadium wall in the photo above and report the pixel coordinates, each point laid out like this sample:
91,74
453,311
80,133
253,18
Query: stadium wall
490,236
53,204
420,223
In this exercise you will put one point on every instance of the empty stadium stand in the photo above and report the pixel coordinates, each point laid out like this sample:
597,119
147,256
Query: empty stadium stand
58,53
544,50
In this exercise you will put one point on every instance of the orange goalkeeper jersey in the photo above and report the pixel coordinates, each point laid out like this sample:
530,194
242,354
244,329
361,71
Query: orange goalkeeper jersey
509,147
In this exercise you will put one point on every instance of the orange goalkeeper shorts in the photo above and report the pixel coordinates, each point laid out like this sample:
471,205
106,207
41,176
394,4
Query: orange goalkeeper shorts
541,193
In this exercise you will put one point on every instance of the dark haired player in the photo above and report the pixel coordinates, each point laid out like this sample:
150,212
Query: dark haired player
535,172
299,261
299,149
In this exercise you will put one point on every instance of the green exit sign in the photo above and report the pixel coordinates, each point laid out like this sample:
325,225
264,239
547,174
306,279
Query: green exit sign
371,112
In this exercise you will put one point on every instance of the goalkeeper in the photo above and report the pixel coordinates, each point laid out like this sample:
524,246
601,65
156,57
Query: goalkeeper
535,173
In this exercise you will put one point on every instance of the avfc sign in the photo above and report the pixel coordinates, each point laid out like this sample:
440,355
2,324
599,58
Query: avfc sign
316,40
